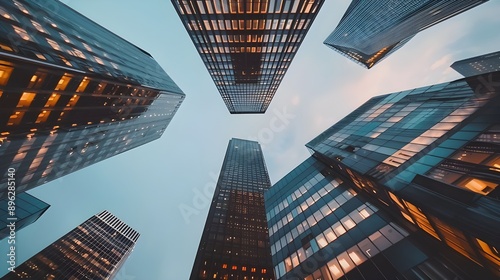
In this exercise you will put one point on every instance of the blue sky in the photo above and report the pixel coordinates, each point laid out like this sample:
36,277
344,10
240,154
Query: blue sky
148,186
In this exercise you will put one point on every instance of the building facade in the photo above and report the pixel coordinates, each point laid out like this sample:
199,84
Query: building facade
321,227
27,209
370,31
235,242
247,46
96,250
72,93
482,64
431,155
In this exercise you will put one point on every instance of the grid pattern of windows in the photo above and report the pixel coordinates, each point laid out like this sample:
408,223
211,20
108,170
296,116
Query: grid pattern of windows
53,74
96,249
247,45
371,30
235,242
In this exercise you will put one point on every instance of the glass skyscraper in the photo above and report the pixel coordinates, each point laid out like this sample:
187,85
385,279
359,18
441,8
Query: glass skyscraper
369,31
235,242
95,250
27,210
72,93
247,46
482,64
422,163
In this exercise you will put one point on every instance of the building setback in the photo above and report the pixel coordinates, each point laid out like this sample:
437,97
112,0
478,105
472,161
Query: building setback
247,46
406,185
235,242
370,31
27,211
95,250
72,93
482,64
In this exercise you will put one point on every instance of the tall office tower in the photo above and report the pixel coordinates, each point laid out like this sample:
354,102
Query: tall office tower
27,209
369,31
321,227
72,93
247,46
482,64
95,250
235,241
430,156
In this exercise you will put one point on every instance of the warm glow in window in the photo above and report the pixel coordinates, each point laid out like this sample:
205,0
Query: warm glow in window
38,26
26,99
51,102
42,117
73,100
22,33
490,252
54,44
63,82
83,85
479,186
15,118
224,265
4,74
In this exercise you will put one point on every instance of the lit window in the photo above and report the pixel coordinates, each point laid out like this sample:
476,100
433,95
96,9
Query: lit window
53,44
479,186
4,74
22,33
63,82
38,26
26,99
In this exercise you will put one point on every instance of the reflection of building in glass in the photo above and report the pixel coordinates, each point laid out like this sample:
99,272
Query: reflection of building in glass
369,31
247,46
27,210
405,185
478,65
235,242
72,96
96,249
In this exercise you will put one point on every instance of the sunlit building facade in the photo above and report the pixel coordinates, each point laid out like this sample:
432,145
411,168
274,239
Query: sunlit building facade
370,31
322,228
72,93
235,242
482,64
27,210
431,157
247,46
95,250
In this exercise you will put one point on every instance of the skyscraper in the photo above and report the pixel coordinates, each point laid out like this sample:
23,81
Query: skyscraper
321,227
481,64
247,46
429,153
27,210
72,93
95,250
235,242
370,31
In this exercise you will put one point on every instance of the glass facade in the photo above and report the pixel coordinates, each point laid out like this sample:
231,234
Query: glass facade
430,156
369,31
482,64
28,210
235,242
72,93
96,249
247,46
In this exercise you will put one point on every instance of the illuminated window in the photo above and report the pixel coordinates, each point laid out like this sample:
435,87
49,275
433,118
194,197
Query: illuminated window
490,252
22,33
72,101
53,44
42,117
4,74
87,47
63,82
254,269
224,265
234,267
83,85
478,186
244,268
26,99
38,26
51,102
15,118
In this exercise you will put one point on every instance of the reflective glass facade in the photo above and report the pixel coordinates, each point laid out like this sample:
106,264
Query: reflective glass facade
322,228
478,65
235,242
72,93
27,210
369,31
95,250
247,46
431,157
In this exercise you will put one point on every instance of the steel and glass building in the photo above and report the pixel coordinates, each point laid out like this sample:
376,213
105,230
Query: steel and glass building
27,210
405,185
370,31
96,250
247,46
235,241
72,93
482,64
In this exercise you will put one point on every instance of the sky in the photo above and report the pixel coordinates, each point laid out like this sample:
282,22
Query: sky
148,187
